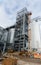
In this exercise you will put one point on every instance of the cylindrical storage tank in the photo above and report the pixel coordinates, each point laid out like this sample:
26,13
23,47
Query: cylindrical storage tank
35,38
5,35
1,32
11,35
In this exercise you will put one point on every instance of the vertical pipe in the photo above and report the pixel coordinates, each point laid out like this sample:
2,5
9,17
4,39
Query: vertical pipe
23,28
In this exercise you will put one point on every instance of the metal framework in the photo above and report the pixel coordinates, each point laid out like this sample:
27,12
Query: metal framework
20,40
21,30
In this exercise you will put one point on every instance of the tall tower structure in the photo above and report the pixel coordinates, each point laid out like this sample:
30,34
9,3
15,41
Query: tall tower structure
21,30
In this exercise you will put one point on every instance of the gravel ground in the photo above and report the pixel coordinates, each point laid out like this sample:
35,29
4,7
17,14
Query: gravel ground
20,62
26,61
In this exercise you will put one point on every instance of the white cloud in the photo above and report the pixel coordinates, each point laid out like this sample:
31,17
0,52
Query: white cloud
9,8
34,7
4,20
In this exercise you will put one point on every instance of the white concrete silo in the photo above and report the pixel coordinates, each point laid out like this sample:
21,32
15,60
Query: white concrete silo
35,41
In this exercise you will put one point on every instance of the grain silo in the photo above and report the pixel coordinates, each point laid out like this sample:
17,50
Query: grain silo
35,33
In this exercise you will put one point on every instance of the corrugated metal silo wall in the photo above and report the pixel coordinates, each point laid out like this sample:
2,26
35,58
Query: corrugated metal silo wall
10,37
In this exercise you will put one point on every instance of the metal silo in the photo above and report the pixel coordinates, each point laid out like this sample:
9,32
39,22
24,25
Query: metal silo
1,32
11,35
4,36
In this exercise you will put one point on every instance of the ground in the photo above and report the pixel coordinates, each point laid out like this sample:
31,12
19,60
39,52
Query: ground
23,60
20,62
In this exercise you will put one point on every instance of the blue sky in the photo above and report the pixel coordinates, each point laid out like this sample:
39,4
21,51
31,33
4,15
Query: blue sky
9,8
